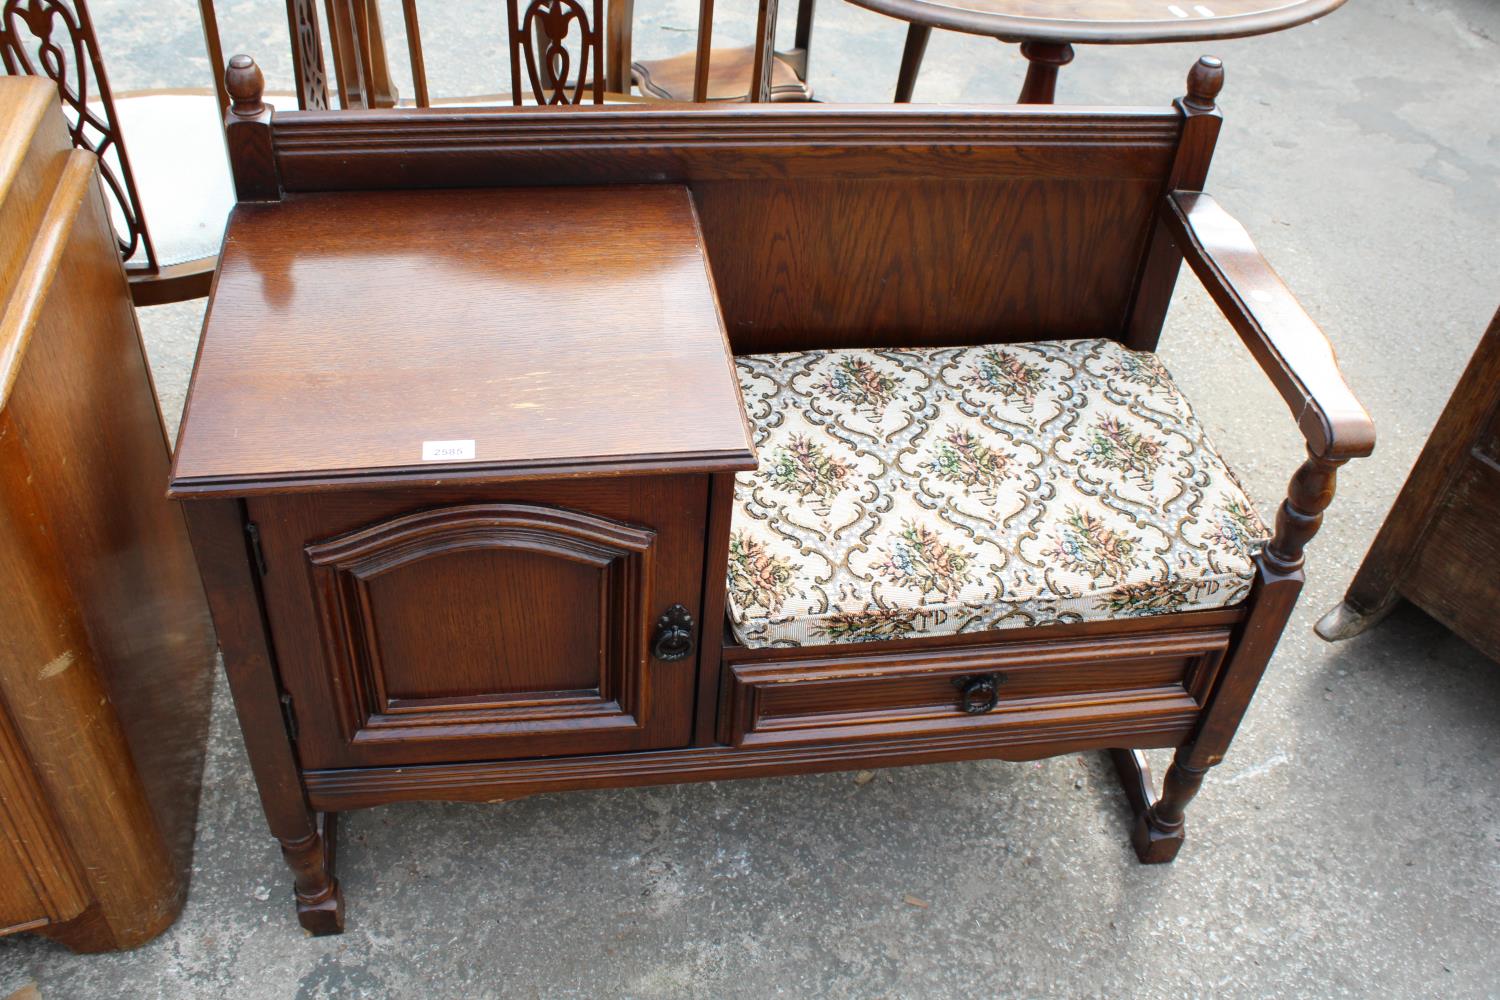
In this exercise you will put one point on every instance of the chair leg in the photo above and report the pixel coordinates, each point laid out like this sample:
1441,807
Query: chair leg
1159,828
911,61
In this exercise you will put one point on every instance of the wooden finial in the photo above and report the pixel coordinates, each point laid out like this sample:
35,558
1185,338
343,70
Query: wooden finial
1205,80
246,85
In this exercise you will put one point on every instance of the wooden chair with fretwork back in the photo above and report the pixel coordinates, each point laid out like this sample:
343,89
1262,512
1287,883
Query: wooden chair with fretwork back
598,34
179,176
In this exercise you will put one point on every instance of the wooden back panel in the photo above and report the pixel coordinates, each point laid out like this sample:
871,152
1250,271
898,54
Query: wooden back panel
826,227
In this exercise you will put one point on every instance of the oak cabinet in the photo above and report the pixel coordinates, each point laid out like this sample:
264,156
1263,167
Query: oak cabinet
1440,543
489,538
106,649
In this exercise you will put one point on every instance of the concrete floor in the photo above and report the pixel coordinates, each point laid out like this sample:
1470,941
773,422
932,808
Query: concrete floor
1350,844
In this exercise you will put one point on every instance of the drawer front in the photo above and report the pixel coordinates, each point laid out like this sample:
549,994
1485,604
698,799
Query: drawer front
1042,692
421,627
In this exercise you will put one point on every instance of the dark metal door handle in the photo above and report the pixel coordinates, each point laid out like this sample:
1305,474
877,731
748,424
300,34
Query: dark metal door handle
674,635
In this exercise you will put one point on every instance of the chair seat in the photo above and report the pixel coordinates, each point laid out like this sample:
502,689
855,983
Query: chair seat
729,74
932,491
175,142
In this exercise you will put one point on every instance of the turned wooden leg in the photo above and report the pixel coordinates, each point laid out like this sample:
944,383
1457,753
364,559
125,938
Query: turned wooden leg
1159,825
1043,61
218,531
911,61
320,899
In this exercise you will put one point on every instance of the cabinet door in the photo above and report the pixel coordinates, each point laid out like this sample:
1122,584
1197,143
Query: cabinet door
484,627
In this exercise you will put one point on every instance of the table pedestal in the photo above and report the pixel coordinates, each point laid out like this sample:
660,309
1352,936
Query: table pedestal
1042,62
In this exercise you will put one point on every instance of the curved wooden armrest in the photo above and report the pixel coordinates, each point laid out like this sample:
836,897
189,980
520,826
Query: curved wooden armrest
1284,340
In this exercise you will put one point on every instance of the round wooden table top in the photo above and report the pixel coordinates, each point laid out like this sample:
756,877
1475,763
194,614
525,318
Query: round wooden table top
1105,22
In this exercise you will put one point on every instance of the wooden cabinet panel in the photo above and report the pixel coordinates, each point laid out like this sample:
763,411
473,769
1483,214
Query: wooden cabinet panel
1441,540
106,670
39,880
21,908
476,628
485,624
1453,575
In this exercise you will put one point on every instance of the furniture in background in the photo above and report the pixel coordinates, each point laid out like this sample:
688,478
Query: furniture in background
591,34
1047,31
1440,544
106,649
970,515
184,188
751,73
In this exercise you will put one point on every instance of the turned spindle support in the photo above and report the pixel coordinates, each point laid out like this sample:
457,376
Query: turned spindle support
246,86
1160,826
1043,60
1200,134
1204,82
247,132
320,900
1301,513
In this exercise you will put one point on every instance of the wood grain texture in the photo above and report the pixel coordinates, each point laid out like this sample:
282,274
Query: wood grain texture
40,881
830,264
1280,335
829,227
1042,687
221,547
1162,262
1104,22
486,576
822,228
107,650
1453,575
1438,542
624,144
536,340
589,687
247,132
729,77
489,781
33,152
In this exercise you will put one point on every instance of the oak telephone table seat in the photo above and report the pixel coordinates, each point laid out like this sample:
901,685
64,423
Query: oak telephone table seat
462,479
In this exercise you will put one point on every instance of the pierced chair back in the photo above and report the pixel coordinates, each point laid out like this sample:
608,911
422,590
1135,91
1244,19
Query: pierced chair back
597,34
560,44
55,39
184,181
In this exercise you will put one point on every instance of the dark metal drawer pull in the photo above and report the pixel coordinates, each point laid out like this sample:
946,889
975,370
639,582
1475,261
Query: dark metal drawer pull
978,693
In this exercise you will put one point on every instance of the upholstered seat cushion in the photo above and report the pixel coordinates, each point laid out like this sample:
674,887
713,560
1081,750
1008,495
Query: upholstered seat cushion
940,490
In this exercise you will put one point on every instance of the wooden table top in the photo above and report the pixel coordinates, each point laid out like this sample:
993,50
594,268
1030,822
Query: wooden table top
1106,22
434,336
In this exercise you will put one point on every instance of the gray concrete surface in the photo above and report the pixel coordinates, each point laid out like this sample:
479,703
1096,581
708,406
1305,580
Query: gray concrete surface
1350,844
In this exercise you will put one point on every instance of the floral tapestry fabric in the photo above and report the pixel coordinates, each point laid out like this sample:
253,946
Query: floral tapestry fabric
932,491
